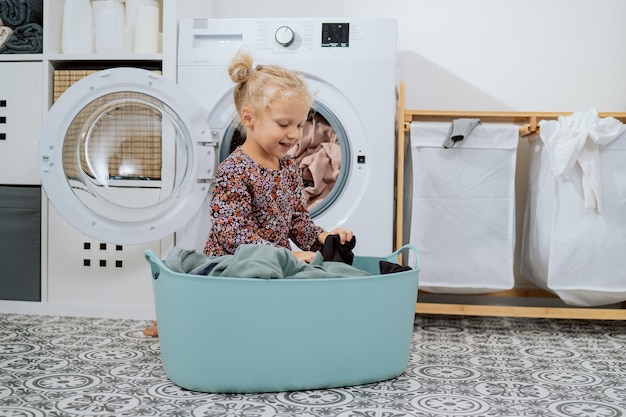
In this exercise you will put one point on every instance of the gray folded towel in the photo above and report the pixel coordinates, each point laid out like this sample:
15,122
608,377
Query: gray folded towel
459,129
15,13
26,39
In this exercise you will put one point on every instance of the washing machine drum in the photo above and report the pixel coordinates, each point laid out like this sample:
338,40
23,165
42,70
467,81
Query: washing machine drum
126,156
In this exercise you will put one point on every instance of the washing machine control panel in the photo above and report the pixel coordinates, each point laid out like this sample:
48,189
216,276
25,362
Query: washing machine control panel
288,41
334,35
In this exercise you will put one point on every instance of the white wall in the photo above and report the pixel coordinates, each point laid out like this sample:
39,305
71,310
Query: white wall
533,55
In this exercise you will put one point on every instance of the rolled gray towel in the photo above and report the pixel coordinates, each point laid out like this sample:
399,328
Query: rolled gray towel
459,129
15,13
26,39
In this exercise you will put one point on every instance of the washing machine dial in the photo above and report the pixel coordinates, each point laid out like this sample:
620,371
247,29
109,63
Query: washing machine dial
284,36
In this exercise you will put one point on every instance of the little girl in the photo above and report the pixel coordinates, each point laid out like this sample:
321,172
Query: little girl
258,197
258,192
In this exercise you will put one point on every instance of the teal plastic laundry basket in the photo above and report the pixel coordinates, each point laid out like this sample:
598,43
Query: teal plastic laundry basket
220,334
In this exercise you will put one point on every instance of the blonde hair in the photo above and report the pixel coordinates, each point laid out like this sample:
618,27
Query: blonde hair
258,87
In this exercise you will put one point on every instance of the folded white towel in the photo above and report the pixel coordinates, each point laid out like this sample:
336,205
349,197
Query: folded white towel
5,34
576,138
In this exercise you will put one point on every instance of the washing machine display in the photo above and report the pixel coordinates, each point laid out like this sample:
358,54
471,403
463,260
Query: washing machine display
348,149
126,156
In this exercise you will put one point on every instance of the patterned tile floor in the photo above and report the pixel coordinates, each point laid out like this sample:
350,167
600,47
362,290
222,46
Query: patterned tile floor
459,366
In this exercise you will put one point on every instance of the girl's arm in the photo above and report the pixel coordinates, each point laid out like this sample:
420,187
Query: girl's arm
304,232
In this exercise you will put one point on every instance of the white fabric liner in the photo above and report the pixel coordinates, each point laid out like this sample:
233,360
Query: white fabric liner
463,214
576,252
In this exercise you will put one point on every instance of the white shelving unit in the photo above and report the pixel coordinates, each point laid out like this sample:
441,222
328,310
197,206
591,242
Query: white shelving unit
70,293
53,58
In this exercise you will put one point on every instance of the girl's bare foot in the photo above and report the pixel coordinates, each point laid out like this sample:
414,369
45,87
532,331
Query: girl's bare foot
151,331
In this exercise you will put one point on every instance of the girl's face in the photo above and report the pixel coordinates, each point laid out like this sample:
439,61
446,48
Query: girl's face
271,134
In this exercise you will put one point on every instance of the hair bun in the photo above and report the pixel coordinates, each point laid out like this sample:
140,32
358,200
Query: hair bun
241,67
240,74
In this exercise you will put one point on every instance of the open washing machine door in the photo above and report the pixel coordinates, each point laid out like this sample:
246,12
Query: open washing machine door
126,156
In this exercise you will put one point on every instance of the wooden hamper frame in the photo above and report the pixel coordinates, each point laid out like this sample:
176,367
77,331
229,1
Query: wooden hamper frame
528,124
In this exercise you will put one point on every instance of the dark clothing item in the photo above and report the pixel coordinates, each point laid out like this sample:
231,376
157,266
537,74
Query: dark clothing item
392,268
334,251
26,39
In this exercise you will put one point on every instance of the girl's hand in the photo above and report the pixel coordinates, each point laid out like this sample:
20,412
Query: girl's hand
304,256
345,235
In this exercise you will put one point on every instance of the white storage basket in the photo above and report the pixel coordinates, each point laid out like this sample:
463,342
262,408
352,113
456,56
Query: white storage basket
463,207
577,253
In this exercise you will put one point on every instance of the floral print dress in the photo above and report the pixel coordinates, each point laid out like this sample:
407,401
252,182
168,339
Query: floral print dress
254,204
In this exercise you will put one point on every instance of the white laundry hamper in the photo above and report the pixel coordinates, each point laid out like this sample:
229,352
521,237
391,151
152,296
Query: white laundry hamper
463,207
577,253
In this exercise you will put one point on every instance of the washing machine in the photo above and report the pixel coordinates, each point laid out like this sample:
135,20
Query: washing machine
350,65
127,157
